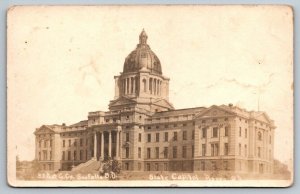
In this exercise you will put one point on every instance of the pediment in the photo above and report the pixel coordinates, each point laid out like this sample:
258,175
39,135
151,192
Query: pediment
214,111
122,101
44,129
163,103
263,117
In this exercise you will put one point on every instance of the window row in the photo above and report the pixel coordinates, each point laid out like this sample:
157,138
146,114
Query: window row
215,132
45,155
166,137
75,142
73,155
166,152
45,143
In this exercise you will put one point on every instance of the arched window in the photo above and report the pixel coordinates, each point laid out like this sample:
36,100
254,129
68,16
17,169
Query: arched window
145,85
259,136
150,85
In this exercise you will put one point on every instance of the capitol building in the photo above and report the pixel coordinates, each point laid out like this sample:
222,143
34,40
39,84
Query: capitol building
145,132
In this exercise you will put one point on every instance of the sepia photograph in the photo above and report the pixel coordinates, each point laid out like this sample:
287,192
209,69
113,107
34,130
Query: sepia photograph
150,96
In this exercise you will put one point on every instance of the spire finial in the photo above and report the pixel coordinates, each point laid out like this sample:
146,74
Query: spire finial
143,37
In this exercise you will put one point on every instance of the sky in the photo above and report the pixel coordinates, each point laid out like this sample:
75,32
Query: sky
62,60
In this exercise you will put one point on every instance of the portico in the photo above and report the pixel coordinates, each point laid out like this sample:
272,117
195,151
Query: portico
107,143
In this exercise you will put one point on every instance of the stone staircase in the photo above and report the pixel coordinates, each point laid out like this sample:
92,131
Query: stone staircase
91,165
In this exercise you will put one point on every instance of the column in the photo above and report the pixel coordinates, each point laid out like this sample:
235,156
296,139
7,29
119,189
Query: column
134,85
95,145
102,145
109,144
129,80
117,145
121,139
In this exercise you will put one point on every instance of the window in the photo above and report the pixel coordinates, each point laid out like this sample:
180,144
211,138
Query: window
127,137
203,121
75,155
49,166
75,143
240,149
226,119
246,133
81,141
166,136
166,126
157,137
203,149
140,137
51,143
226,132
184,151
40,158
226,149
86,141
156,166
184,134
69,143
240,132
204,133
174,152
69,155
63,155
203,166
214,120
149,137
40,143
258,152
175,125
157,152
50,154
246,150
215,132
139,152
81,155
139,166
127,152
213,165
145,85
64,143
193,149
225,165
45,143
166,152
45,155
193,134
259,136
214,149
148,167
148,153
165,166
175,136
270,139
126,166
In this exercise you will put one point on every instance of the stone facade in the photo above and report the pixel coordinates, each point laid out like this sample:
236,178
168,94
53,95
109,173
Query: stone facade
144,131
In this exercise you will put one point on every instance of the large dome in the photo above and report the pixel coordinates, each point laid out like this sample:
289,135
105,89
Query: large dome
142,58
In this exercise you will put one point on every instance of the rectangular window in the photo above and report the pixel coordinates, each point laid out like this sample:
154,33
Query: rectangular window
240,132
246,134
127,137
193,134
240,149
203,166
204,132
50,154
214,120
69,155
69,143
80,154
258,152
40,144
193,149
86,141
226,132
75,155
246,150
148,153
157,137
156,167
63,155
81,141
175,136
140,137
51,143
184,135
166,136
127,152
166,150
184,151
215,132
226,149
174,152
139,166
45,143
214,149
225,165
139,152
165,166
75,143
213,165
149,137
157,152
148,167
203,149
126,166
64,143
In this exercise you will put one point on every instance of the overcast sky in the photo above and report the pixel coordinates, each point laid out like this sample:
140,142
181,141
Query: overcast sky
61,62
